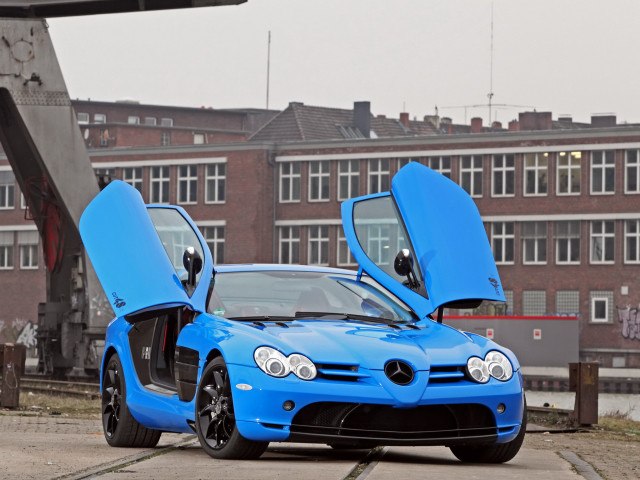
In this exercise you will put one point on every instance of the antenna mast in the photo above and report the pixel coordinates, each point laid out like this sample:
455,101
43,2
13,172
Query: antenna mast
490,95
268,65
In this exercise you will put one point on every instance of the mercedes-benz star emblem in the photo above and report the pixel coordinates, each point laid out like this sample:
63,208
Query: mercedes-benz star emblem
399,372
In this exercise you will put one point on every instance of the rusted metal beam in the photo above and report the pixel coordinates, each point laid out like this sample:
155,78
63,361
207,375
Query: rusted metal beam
583,379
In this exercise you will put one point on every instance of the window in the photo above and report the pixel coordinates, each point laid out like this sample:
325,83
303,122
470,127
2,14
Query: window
442,165
28,243
165,139
214,236
603,170
568,302
83,118
602,241
345,258
348,179
632,241
471,174
508,296
502,242
567,237
99,118
215,183
133,176
104,176
379,175
318,253
535,173
601,303
7,189
104,137
160,184
166,122
187,184
632,171
149,120
504,173
534,242
534,302
406,161
289,245
319,181
198,138
6,250
290,182
569,173
133,120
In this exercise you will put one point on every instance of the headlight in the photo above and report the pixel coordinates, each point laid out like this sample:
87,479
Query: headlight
274,363
495,364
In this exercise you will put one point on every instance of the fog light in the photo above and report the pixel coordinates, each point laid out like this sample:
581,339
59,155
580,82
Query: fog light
288,405
501,408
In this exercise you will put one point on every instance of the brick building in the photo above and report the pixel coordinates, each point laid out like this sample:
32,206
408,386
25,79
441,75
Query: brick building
560,199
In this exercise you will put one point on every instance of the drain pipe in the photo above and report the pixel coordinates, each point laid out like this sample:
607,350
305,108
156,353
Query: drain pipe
271,161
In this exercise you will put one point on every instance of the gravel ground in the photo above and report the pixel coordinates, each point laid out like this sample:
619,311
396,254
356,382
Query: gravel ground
614,455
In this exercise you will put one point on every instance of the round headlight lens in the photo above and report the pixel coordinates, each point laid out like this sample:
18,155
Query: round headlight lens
477,370
499,365
274,363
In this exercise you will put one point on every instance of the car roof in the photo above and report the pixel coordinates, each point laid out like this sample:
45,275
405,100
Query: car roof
258,267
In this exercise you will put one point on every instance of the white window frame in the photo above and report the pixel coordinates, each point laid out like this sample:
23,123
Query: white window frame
319,181
129,175
540,169
568,237
379,172
28,243
163,182
166,122
572,167
133,120
603,237
505,172
6,246
150,121
352,176
288,181
165,139
215,183
215,238
630,165
318,238
538,238
198,138
505,238
471,171
187,184
8,191
441,164
635,236
291,238
342,248
608,159
99,118
83,118
597,297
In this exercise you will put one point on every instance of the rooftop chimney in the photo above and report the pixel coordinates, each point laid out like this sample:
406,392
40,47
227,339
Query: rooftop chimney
404,119
603,120
565,118
514,126
496,125
476,125
362,117
535,121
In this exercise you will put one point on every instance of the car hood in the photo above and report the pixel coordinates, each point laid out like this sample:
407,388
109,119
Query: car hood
369,345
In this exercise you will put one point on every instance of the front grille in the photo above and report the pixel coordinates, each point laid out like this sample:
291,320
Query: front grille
339,372
447,374
424,424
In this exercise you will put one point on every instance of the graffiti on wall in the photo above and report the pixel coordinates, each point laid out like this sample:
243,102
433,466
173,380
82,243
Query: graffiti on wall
630,322
20,330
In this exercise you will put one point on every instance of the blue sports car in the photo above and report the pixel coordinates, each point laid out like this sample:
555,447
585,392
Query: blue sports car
249,354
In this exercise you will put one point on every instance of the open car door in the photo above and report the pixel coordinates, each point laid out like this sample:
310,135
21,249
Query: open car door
137,252
425,241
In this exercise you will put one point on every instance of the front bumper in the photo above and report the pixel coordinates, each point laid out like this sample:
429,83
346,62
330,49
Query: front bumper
375,411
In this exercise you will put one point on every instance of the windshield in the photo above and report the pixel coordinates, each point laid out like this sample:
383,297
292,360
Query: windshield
290,294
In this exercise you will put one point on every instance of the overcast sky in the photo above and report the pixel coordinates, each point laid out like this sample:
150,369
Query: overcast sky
571,57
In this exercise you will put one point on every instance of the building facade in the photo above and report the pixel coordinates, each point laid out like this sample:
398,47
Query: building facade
560,201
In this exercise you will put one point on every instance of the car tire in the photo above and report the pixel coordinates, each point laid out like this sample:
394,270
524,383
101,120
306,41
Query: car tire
215,417
120,428
496,453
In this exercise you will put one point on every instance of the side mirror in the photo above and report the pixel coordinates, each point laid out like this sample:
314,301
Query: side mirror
403,265
192,262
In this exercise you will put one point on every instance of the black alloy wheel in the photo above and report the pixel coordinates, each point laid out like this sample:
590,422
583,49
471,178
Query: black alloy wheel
215,417
120,428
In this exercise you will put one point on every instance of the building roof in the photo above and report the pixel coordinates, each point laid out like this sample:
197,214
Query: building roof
299,122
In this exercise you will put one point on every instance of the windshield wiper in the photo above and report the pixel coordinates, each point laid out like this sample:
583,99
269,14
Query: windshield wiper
263,318
350,316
